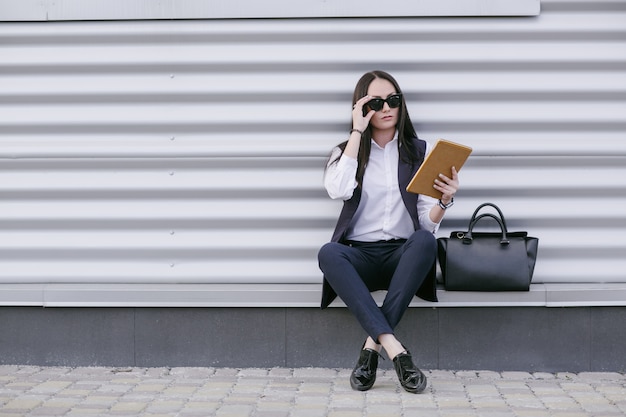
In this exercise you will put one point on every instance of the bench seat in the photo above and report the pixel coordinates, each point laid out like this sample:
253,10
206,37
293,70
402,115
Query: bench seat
289,295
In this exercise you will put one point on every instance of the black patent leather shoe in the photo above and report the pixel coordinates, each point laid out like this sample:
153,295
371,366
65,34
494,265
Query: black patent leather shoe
364,374
411,378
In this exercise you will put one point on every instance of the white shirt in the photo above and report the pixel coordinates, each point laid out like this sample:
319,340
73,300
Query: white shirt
381,214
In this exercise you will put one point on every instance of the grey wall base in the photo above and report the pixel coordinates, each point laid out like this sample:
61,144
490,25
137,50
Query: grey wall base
504,338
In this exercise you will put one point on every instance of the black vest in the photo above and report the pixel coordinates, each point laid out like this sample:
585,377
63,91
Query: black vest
405,172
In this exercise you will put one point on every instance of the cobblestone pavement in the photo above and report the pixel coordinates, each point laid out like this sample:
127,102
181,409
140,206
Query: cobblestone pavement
301,392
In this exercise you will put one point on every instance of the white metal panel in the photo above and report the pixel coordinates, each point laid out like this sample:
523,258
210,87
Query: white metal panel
180,162
228,9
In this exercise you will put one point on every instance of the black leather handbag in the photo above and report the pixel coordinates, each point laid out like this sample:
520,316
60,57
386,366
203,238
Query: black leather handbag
487,261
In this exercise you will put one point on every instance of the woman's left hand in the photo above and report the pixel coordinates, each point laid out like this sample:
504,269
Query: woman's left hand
447,186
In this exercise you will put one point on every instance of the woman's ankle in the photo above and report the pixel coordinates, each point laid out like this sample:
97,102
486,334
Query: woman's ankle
392,346
371,344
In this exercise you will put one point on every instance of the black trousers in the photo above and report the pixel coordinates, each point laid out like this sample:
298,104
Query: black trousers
355,269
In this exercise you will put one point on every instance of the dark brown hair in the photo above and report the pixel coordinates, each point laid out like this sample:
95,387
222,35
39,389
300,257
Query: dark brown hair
406,132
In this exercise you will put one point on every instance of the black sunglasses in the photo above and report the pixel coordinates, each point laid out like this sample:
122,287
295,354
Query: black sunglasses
393,101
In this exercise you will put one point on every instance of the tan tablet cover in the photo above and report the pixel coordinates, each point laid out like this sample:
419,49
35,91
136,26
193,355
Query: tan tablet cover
440,160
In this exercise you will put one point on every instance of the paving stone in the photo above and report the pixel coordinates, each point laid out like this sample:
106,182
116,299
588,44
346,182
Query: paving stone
304,392
129,407
24,403
601,376
281,372
235,410
543,375
315,373
516,375
49,411
299,412
253,372
226,372
466,374
569,376
180,391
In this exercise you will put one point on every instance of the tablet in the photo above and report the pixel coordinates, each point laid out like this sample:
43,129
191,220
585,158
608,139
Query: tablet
440,160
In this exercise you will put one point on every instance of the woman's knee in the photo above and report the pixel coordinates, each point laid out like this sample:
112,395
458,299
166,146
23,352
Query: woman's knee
328,251
424,240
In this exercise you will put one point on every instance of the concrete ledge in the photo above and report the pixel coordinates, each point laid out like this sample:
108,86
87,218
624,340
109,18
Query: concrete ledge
289,295
486,338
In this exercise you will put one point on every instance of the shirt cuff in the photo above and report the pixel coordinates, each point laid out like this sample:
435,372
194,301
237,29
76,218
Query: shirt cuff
425,204
346,161
429,224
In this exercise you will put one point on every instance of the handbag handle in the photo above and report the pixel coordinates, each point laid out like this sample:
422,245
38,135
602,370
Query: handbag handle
467,239
473,218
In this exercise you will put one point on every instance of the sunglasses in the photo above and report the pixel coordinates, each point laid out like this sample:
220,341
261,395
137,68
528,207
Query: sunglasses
393,101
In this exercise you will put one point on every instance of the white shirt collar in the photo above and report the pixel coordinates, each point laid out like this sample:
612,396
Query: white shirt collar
395,139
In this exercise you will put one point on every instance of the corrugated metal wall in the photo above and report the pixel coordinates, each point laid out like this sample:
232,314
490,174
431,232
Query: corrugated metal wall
180,162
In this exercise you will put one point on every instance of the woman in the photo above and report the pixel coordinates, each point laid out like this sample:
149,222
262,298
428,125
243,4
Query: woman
384,238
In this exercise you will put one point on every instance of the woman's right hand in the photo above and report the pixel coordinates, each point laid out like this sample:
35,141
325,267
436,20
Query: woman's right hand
359,121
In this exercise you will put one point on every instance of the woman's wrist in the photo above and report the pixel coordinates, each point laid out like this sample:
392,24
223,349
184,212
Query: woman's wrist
445,204
359,131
